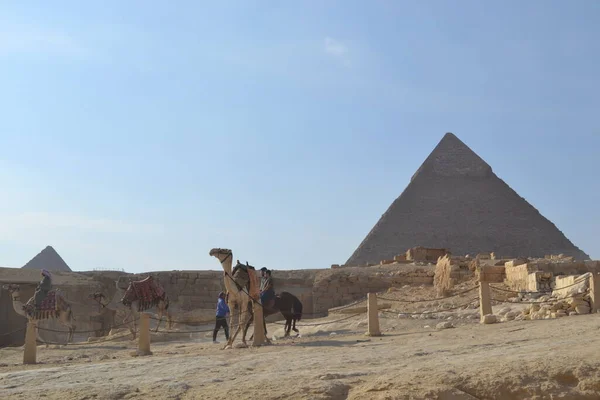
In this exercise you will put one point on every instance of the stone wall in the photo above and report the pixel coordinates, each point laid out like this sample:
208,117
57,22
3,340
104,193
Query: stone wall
193,294
353,283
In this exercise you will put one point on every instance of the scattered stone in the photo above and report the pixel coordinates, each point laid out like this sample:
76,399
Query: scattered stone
511,315
489,319
582,310
504,311
444,325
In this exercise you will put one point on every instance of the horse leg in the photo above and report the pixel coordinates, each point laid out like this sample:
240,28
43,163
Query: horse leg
294,328
288,324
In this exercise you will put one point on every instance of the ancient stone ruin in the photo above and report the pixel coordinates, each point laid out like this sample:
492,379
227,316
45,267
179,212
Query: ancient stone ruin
455,201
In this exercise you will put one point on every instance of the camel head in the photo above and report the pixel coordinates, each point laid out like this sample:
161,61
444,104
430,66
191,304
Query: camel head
97,296
221,254
216,251
129,296
12,289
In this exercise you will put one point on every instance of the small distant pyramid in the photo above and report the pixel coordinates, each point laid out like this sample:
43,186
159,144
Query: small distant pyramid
48,259
455,201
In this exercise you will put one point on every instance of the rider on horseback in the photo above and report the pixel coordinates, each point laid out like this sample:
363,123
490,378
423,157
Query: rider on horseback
267,291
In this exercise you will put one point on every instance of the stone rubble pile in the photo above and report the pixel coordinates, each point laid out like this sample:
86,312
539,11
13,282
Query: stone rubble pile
568,301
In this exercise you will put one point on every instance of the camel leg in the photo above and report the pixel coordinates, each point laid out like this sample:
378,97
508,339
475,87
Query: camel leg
232,337
250,312
129,324
160,315
67,319
248,326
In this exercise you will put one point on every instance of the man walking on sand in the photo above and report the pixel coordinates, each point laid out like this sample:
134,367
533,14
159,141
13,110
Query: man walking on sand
221,320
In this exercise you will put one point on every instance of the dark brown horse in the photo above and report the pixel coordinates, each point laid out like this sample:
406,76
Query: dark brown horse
288,305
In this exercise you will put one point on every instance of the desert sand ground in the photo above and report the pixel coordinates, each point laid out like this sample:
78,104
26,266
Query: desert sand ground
545,359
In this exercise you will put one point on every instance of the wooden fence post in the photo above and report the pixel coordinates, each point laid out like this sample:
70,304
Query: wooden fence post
29,353
259,329
595,292
144,337
373,313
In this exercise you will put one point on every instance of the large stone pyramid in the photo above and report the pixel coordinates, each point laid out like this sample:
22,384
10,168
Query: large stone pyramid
455,201
48,259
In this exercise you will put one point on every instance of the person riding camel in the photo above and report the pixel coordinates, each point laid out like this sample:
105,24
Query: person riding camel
42,289
267,289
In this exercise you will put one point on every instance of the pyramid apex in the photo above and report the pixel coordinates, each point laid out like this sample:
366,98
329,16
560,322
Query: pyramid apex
453,158
49,259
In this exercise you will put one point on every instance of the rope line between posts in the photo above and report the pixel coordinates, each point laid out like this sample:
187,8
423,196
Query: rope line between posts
335,309
324,323
15,331
538,292
426,300
184,332
432,312
88,331
207,321
84,343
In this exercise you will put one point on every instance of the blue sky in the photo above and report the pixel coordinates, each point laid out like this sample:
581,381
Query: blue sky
140,134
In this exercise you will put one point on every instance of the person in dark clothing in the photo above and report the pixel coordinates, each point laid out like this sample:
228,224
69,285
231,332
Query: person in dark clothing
267,290
42,289
221,320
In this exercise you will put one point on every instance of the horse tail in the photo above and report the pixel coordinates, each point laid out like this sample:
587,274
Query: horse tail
297,309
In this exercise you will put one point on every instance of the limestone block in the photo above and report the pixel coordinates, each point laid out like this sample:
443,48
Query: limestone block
582,310
444,325
515,263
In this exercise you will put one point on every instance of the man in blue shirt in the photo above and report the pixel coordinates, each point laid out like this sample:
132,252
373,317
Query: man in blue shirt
221,321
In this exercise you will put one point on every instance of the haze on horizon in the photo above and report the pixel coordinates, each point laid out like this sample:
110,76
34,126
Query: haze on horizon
140,135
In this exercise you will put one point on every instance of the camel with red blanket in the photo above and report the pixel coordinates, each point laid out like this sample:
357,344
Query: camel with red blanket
144,296
53,306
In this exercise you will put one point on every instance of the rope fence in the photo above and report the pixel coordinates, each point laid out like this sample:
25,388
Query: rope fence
534,292
426,300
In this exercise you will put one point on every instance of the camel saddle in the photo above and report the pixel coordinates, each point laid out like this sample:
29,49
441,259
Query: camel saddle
147,292
48,305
